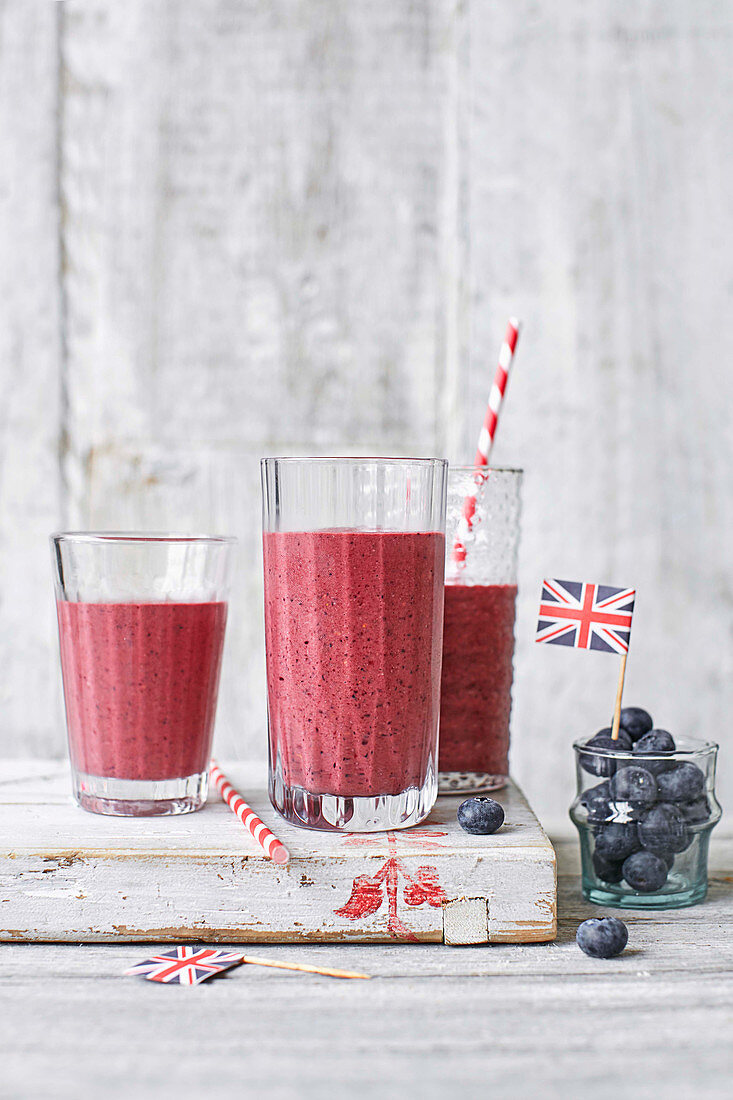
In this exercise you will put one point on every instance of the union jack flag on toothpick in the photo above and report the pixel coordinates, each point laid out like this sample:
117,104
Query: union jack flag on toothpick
588,616
585,616
185,965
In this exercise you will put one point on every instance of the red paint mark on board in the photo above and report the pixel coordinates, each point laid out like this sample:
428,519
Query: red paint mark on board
369,892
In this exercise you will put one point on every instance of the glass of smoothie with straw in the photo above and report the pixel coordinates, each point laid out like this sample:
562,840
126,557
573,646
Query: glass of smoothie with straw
482,536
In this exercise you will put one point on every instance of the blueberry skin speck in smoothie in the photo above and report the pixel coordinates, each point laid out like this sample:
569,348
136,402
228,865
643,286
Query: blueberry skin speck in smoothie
140,686
353,633
475,704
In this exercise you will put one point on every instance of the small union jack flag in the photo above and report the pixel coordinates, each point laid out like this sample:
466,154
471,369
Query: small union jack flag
185,965
587,616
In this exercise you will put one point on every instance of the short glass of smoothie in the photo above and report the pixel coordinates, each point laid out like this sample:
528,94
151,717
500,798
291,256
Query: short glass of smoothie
482,540
141,631
354,552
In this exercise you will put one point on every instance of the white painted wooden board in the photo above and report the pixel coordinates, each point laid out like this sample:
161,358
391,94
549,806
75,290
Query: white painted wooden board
67,875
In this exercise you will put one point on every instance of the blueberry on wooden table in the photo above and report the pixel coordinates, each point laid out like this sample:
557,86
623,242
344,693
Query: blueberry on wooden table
645,872
480,816
636,721
632,783
602,937
681,783
663,829
602,765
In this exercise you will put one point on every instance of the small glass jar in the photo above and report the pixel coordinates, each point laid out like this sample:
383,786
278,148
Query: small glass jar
644,833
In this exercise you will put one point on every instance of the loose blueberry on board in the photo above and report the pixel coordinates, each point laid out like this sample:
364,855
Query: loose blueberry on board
694,812
681,783
656,743
616,841
606,869
602,937
663,830
645,872
480,816
601,765
632,783
597,801
636,721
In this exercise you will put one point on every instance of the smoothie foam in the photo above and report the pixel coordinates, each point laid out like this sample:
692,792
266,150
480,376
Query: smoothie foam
478,647
353,629
140,686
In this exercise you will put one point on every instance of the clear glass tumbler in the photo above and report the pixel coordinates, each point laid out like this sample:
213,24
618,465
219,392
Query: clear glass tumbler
644,821
482,540
141,631
354,553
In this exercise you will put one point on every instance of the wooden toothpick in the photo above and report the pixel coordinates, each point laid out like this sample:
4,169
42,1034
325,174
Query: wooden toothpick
256,961
619,696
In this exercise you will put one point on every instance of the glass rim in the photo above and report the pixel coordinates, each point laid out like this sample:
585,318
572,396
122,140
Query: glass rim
701,748
353,460
117,537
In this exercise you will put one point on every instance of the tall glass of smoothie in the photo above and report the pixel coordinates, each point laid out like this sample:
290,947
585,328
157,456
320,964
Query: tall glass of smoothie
354,553
482,539
141,631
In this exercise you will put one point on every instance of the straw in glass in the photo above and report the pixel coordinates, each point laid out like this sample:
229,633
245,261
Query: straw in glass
486,437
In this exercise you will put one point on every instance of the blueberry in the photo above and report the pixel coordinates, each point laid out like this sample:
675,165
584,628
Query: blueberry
597,801
602,937
606,869
668,858
682,783
694,812
616,841
656,743
645,872
632,783
480,816
602,765
663,829
636,721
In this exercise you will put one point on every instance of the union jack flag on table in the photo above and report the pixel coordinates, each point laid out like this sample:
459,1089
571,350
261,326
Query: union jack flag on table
586,616
185,965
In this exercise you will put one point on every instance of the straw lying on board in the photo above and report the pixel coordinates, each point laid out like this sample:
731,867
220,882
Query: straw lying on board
269,843
486,437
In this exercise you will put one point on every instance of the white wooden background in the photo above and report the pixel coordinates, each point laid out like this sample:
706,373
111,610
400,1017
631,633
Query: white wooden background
231,228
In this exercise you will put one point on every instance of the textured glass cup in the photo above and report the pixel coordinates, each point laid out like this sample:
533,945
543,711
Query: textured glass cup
354,553
644,838
141,631
478,633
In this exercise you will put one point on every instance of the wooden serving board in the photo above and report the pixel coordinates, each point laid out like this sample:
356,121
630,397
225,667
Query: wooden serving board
68,875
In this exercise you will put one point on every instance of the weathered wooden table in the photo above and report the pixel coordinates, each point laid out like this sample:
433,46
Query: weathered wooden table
513,1021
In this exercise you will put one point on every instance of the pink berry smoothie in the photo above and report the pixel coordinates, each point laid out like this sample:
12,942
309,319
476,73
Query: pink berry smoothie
353,632
476,691
140,686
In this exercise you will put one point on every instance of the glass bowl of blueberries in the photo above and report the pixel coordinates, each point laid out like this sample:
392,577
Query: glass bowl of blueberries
645,809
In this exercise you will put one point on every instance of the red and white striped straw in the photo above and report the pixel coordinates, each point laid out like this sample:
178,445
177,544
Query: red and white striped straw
487,435
271,846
